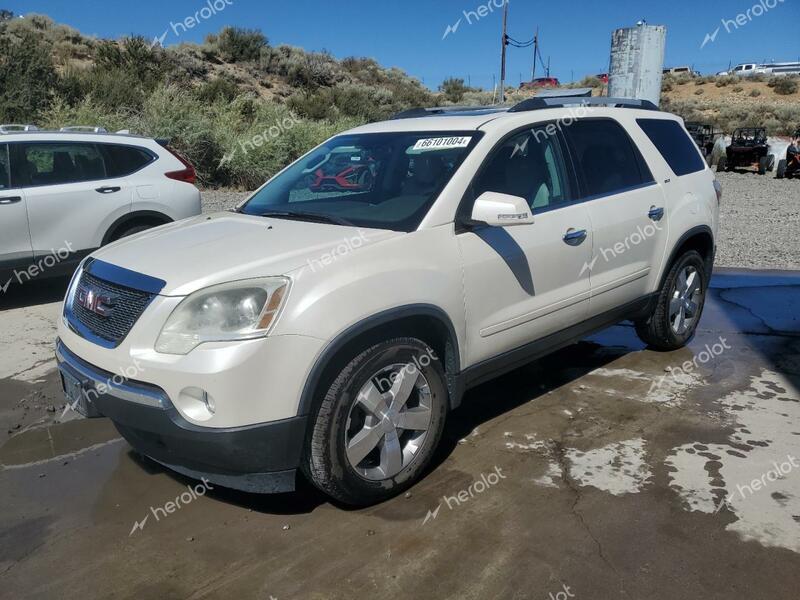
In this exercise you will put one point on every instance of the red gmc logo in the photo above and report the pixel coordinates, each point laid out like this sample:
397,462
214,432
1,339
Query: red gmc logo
92,300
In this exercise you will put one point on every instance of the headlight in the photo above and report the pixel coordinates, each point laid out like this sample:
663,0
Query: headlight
241,310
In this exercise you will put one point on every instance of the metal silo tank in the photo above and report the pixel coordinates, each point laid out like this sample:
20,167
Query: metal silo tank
637,62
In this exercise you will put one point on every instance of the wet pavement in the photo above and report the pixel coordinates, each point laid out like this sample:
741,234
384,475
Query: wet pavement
603,471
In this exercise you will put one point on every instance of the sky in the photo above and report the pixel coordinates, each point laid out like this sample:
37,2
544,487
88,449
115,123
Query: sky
413,34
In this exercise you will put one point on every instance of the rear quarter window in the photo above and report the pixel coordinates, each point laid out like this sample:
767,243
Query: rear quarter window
124,160
674,144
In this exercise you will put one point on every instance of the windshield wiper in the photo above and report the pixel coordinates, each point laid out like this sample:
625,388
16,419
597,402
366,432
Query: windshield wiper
306,216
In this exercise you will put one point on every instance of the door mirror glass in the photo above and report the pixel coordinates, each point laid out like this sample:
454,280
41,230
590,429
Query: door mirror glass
501,210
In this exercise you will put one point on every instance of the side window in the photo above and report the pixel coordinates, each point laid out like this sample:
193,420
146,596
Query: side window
529,164
674,144
124,160
609,160
53,163
5,173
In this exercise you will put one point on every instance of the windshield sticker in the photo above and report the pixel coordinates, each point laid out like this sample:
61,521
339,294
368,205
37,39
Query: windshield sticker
442,143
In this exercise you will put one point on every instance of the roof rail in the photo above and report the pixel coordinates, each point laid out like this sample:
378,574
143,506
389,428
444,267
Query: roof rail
557,102
13,127
413,113
84,128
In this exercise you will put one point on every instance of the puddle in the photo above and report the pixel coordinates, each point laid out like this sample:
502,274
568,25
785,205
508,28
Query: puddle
618,468
51,442
756,477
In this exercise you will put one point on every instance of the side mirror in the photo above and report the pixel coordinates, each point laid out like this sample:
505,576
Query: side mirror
501,210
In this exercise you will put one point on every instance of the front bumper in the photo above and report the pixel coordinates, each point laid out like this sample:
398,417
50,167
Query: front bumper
259,458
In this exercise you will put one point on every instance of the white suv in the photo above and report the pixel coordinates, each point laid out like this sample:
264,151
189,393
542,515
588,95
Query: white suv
331,322
66,193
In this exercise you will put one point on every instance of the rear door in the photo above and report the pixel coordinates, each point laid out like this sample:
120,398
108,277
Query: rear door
15,238
626,208
72,193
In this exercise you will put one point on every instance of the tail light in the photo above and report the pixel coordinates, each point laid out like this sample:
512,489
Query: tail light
718,190
187,175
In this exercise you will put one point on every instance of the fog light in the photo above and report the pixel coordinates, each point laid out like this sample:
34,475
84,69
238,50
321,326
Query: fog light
209,402
196,403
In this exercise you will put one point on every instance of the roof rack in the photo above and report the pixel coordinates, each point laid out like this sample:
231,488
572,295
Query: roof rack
14,127
539,103
448,111
84,128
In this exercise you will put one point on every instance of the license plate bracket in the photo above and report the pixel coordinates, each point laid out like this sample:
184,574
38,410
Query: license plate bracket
75,393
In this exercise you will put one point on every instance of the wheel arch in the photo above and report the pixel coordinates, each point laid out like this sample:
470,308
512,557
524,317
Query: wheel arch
427,322
143,217
699,238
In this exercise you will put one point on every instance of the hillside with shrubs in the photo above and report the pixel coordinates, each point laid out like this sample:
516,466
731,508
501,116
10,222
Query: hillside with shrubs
212,100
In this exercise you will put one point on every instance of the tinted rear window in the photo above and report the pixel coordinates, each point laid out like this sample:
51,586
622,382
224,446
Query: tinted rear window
124,160
610,161
4,170
53,163
674,144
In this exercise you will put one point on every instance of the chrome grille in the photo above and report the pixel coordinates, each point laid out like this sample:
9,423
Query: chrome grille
128,305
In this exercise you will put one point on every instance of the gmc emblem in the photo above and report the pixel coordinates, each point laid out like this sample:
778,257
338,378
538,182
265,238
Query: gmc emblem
93,300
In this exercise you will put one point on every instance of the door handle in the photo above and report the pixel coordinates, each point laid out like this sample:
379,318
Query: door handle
575,237
108,190
10,199
656,213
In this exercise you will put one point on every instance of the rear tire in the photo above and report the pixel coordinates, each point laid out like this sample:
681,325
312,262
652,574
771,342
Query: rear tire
379,424
679,305
763,165
781,172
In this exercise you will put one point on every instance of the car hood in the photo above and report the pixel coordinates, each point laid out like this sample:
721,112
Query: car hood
209,249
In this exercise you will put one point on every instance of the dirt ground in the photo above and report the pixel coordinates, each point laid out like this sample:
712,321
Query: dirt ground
603,471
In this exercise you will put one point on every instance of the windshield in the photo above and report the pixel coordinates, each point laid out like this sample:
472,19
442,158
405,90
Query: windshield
376,180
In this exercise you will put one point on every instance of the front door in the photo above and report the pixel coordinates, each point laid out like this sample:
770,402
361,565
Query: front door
524,282
15,237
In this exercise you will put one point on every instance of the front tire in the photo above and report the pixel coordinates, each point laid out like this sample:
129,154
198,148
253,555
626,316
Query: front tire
722,164
679,305
379,423
781,173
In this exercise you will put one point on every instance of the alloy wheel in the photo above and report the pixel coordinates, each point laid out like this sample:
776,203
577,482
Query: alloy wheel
685,301
389,422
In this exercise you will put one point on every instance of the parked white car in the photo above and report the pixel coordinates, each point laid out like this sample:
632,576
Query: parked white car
66,193
329,329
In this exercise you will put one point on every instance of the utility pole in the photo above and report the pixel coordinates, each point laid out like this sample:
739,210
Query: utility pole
503,54
535,53
548,67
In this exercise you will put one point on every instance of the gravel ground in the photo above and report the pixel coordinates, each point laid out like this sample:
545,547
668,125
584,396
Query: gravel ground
760,220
